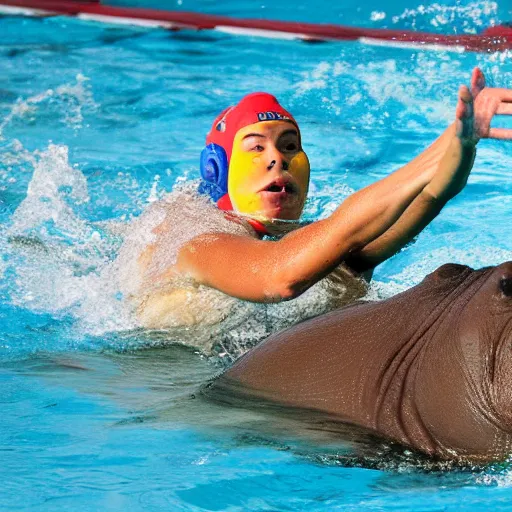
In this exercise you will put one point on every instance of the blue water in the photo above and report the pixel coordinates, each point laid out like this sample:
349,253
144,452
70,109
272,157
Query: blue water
96,122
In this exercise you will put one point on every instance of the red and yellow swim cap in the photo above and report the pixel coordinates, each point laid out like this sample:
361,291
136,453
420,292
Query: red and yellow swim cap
215,157
253,108
219,161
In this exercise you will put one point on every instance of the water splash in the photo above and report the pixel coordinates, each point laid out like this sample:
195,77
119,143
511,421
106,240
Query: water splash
56,187
393,96
415,272
466,18
57,257
70,98
377,15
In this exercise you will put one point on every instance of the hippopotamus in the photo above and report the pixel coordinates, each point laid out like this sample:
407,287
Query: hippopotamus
430,368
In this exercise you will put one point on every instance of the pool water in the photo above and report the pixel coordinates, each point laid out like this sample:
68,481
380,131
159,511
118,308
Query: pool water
96,123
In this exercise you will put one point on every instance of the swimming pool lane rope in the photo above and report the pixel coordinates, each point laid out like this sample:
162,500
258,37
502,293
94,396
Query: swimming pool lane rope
492,39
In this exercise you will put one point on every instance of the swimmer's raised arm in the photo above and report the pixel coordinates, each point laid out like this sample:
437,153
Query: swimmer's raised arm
446,163
267,271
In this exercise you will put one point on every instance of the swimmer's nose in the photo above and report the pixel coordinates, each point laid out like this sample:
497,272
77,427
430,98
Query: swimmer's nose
284,165
276,159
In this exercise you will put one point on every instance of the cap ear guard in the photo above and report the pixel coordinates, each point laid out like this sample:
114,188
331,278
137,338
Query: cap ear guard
214,171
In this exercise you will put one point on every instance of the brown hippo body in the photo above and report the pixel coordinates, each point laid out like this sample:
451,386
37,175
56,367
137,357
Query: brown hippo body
430,368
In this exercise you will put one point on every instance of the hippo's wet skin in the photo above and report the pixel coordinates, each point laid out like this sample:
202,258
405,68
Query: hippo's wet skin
430,368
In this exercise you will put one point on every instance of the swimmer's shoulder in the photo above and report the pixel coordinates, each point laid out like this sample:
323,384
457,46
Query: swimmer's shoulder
186,213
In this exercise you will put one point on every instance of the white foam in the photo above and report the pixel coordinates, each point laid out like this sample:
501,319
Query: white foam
412,274
470,15
377,15
55,185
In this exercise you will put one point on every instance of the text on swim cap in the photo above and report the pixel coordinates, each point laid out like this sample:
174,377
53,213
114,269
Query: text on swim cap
271,116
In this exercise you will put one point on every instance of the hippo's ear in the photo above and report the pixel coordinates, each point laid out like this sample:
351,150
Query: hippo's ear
449,271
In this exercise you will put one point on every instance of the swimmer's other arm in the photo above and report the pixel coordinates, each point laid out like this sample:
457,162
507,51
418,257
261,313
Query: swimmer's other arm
447,163
451,161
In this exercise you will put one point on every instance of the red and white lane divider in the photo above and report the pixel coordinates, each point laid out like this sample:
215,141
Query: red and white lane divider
493,39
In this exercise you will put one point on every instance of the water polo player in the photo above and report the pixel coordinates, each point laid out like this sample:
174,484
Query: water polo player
256,172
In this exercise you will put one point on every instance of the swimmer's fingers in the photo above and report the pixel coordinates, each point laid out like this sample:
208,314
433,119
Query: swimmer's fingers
490,101
464,114
504,109
500,133
477,82
477,107
464,108
503,94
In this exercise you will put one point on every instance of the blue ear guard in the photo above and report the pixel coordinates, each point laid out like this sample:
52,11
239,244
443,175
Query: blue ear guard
214,171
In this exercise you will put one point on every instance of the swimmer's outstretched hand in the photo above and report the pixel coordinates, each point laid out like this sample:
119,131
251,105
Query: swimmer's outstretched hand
442,170
476,108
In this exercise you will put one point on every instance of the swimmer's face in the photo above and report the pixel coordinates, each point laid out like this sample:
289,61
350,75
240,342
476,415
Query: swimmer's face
268,171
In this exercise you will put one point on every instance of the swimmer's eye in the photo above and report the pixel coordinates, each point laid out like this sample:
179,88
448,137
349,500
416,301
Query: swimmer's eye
289,145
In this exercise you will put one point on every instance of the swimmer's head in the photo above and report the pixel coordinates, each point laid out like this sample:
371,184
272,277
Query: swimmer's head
253,161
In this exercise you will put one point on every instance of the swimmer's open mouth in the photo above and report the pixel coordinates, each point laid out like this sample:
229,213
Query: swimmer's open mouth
280,186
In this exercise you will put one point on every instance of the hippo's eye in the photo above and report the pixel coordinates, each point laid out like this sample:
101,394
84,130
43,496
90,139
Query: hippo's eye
506,286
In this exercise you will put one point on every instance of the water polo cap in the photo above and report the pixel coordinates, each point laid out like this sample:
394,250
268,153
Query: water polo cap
215,157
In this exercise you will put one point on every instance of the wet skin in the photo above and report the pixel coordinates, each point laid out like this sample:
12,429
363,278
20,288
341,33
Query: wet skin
430,368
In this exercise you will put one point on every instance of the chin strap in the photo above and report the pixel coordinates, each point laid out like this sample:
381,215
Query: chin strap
224,203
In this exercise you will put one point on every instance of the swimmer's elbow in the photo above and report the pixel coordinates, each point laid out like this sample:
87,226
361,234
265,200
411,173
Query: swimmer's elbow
282,290
278,295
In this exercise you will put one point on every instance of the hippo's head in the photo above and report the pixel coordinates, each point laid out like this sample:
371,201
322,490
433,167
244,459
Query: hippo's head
430,367
469,354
